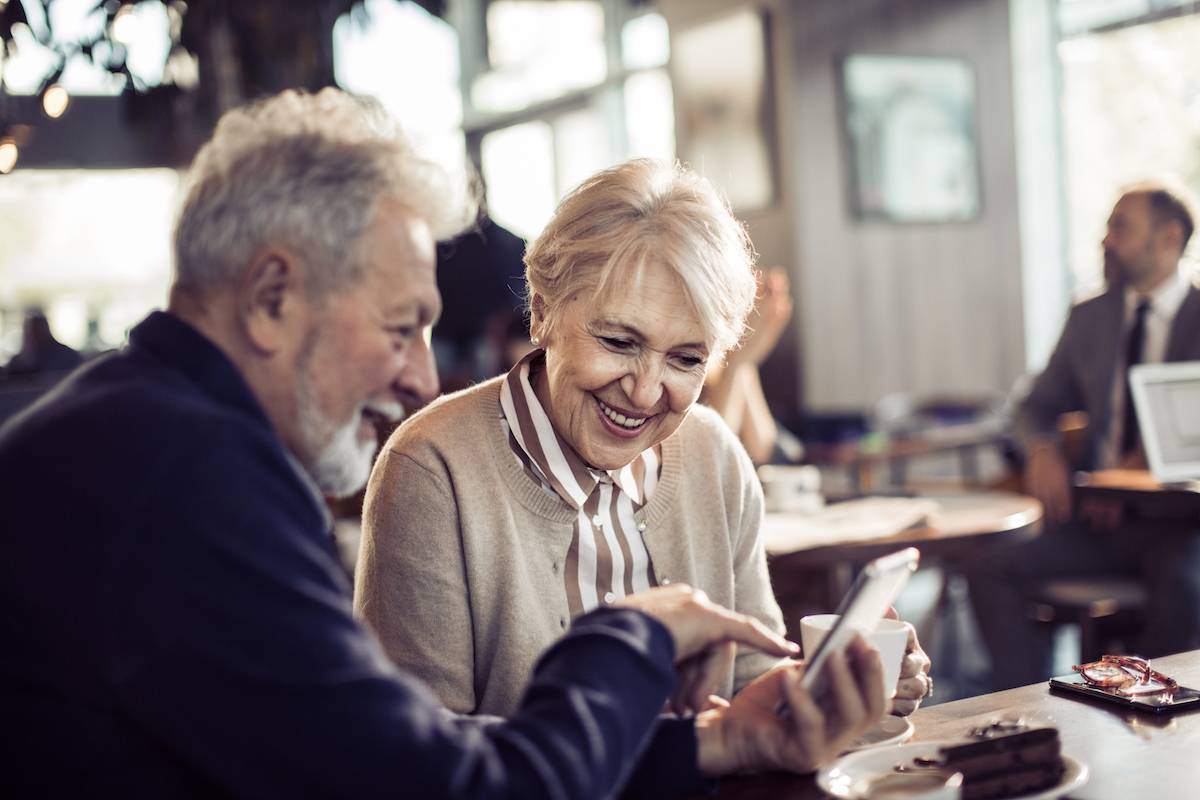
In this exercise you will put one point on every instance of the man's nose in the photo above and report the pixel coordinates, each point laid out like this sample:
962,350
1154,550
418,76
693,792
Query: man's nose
417,382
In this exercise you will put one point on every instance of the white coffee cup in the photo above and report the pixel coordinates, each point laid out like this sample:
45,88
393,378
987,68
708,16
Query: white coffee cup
890,639
788,487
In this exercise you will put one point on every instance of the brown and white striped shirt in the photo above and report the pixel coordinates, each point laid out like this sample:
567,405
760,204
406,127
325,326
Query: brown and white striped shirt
607,559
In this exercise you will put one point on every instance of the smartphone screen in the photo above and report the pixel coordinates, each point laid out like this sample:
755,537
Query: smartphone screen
1182,699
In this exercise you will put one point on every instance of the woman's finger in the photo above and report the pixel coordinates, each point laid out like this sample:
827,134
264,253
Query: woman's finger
914,664
911,688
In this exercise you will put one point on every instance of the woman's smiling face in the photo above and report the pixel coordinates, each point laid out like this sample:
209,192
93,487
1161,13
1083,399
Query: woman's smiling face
622,370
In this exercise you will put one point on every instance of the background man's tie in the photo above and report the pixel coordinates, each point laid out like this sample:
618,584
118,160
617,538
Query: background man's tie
1134,346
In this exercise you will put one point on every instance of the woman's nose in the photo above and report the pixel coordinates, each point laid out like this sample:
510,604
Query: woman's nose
643,387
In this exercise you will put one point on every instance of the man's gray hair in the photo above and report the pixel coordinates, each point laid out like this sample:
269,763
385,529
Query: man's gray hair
305,171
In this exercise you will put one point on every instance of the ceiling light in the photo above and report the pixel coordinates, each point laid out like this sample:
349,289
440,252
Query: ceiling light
55,101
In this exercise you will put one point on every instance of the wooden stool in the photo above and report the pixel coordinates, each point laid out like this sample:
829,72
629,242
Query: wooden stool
1107,610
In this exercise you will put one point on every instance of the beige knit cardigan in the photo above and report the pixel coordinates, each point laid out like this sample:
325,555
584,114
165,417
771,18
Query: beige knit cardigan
460,570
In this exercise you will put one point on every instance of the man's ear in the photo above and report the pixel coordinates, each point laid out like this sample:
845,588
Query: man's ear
1171,235
271,300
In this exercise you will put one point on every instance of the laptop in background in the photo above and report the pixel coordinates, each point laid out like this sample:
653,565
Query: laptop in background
1166,398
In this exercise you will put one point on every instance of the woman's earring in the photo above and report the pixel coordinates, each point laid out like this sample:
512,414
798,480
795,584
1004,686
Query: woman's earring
536,341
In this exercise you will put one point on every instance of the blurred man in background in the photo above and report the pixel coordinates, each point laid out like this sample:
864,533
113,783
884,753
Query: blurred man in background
40,352
1149,313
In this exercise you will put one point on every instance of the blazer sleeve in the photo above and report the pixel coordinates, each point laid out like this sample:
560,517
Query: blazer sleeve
411,584
1055,391
234,650
751,581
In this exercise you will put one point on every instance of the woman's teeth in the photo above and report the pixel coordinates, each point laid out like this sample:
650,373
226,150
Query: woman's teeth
620,419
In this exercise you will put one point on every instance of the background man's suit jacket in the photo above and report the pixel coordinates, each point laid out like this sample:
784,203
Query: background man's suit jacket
1079,376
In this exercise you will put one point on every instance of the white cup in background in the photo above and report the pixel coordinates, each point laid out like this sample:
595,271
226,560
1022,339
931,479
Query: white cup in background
890,639
791,487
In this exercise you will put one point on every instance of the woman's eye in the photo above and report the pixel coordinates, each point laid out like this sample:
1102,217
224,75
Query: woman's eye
617,344
689,362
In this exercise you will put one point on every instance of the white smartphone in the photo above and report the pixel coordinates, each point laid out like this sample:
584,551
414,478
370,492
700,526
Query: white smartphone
876,588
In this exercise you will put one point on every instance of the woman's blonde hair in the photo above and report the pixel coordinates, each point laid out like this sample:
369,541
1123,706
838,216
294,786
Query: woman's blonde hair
647,210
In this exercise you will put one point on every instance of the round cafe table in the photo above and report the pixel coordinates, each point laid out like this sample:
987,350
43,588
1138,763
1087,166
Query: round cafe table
963,525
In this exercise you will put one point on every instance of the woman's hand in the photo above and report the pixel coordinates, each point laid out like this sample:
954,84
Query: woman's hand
915,684
706,637
751,734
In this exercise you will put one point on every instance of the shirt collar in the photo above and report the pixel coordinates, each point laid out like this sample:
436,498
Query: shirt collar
554,459
1165,299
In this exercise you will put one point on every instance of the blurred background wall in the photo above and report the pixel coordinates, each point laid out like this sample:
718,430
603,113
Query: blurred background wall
934,174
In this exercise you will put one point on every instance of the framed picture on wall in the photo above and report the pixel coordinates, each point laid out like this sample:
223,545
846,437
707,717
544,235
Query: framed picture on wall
909,125
720,73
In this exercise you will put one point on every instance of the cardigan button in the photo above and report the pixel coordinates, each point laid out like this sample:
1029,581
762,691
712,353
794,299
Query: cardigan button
666,581
609,597
597,521
641,527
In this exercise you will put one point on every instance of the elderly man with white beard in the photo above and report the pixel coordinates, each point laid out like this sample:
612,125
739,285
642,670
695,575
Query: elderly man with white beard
175,620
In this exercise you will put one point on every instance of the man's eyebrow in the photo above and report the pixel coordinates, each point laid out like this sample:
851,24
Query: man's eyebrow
637,334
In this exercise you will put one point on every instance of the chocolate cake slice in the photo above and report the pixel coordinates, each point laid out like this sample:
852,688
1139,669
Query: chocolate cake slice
1006,766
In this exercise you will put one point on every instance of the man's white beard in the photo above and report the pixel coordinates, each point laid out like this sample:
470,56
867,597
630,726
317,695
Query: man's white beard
343,465
338,462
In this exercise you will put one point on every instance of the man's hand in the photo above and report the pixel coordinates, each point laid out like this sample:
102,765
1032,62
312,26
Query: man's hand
1048,478
706,637
915,684
751,734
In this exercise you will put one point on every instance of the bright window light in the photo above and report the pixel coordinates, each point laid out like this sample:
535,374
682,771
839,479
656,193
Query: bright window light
518,168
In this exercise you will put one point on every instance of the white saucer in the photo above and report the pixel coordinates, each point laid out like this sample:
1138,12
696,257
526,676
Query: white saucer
839,778
890,730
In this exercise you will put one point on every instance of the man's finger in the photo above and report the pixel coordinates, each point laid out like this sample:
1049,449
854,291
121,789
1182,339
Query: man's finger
681,699
868,670
847,708
712,667
750,632
807,727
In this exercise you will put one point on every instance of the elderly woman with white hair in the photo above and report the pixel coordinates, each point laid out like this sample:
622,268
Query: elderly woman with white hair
588,472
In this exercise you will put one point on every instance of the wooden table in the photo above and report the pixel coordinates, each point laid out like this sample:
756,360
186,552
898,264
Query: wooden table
1142,496
965,522
1130,756
962,521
